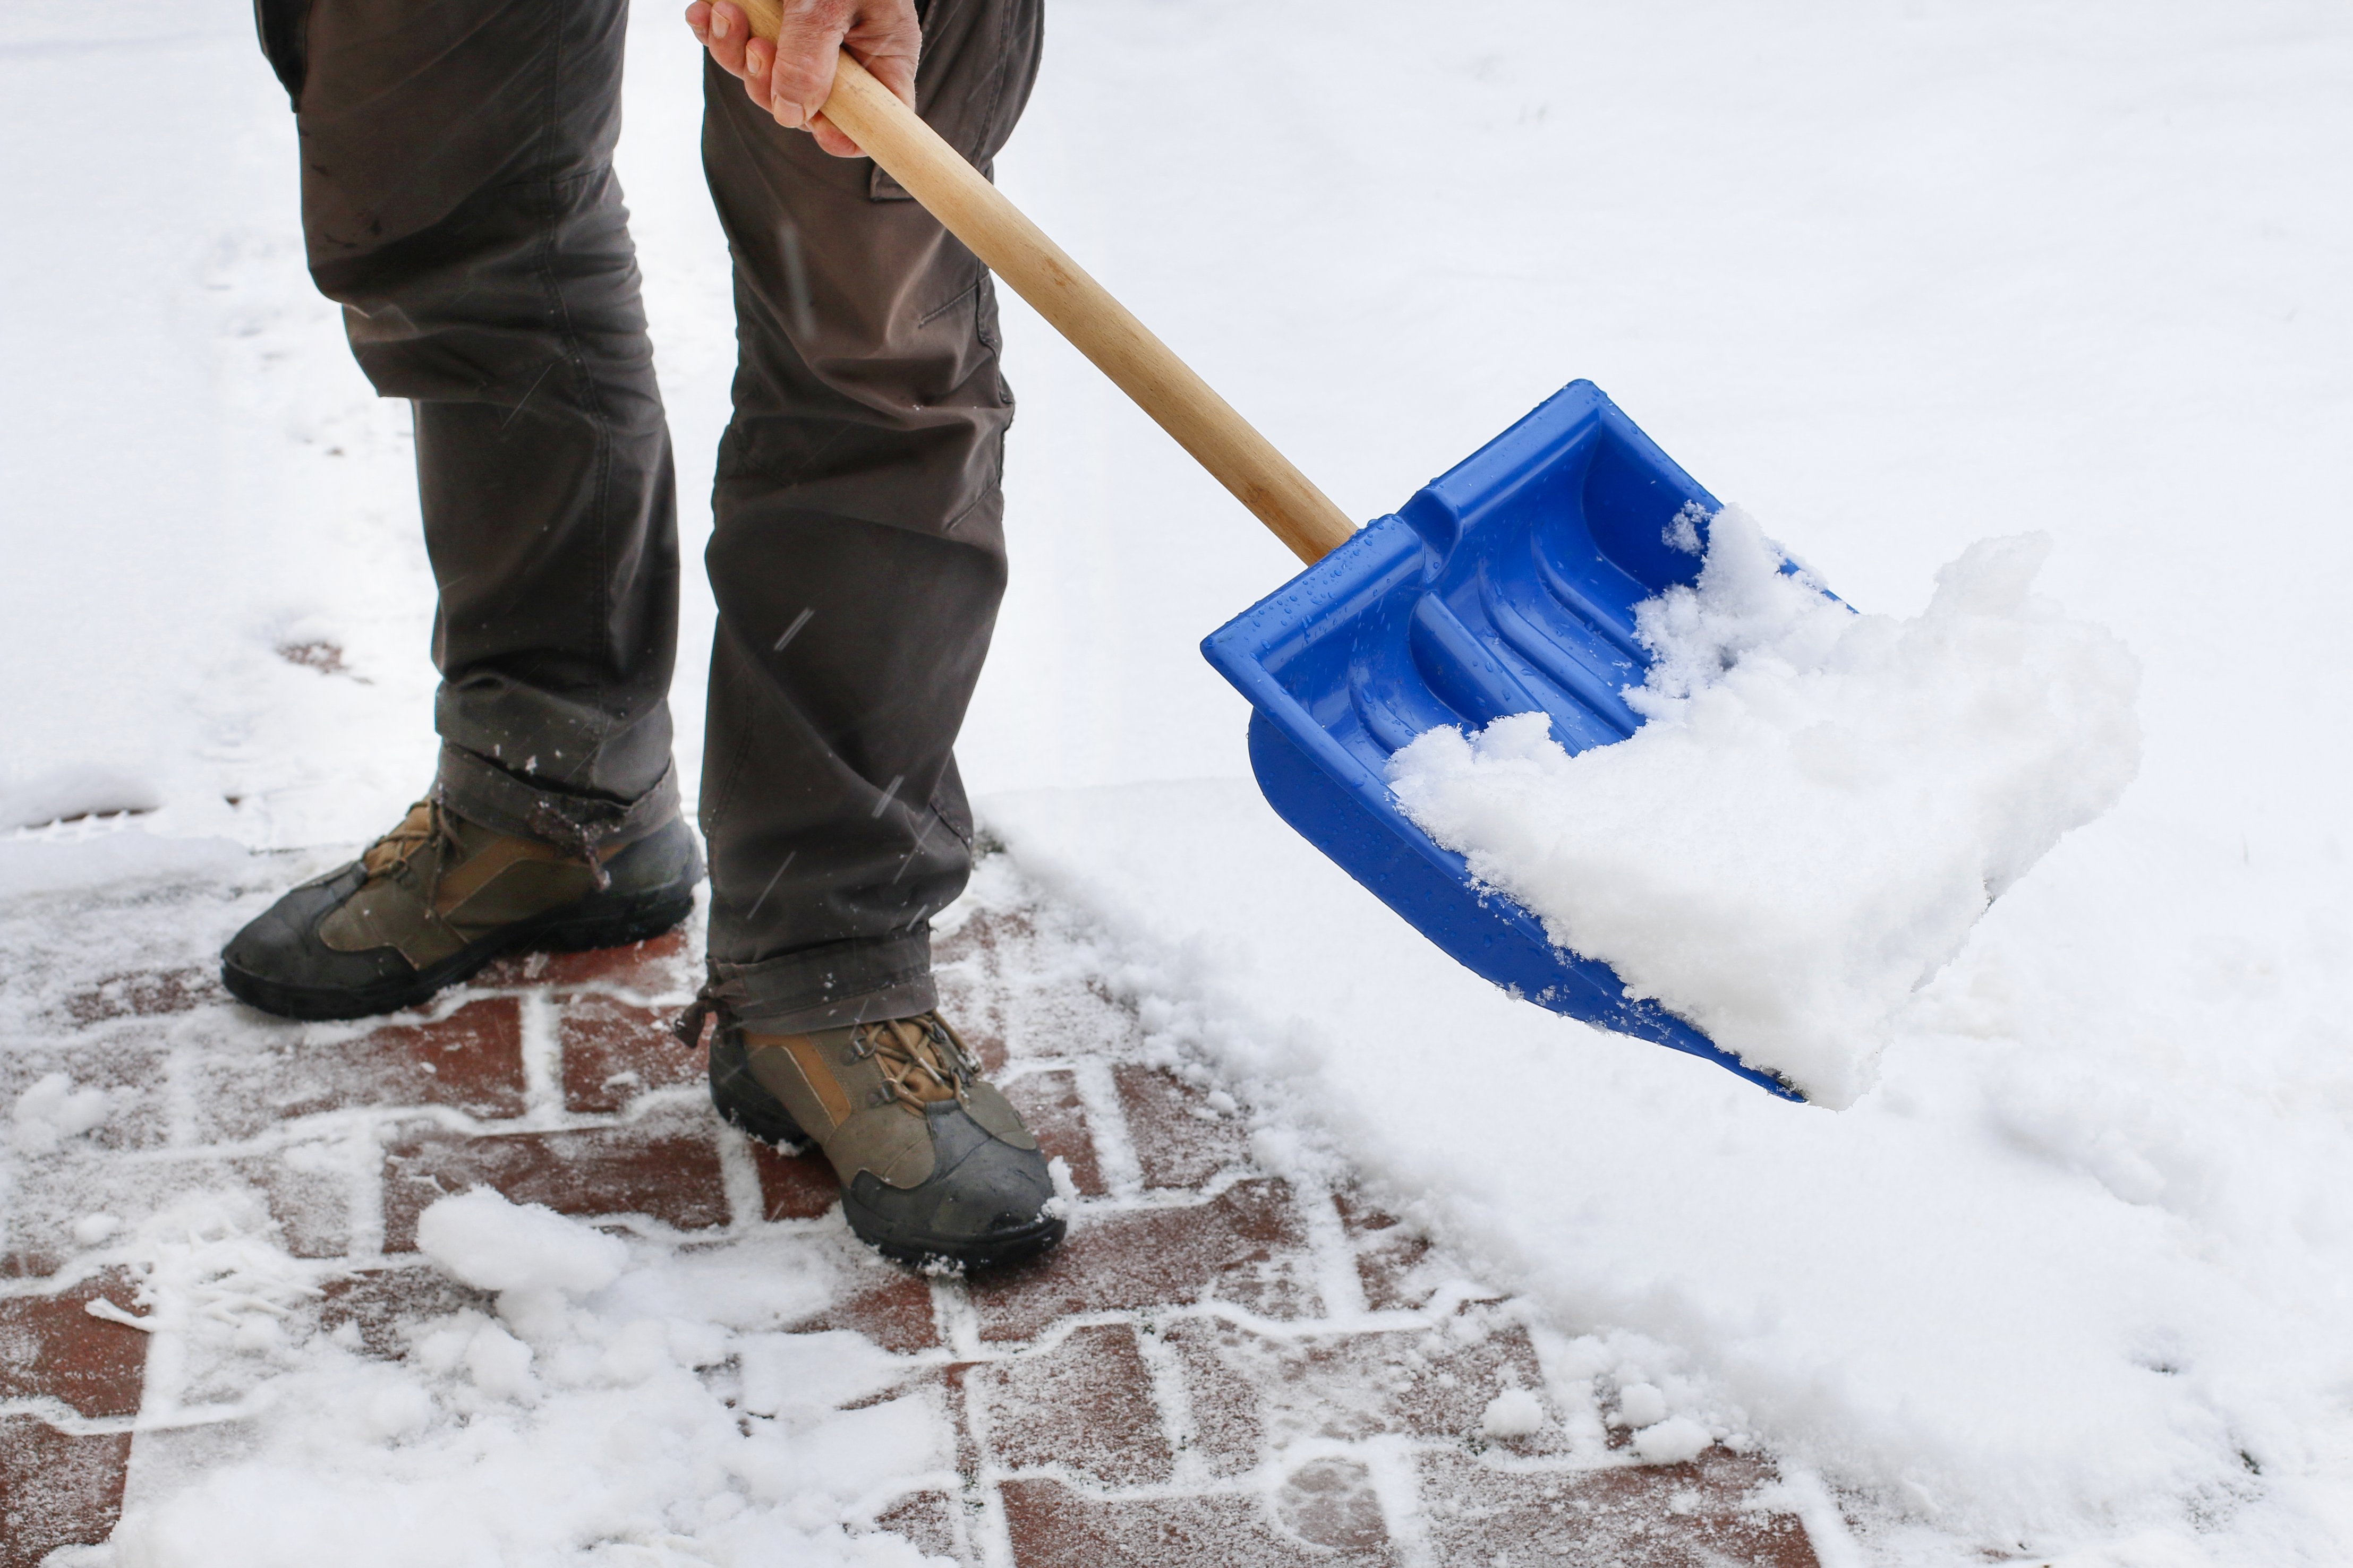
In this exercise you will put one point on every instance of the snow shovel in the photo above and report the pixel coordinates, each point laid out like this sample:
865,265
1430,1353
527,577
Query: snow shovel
1506,585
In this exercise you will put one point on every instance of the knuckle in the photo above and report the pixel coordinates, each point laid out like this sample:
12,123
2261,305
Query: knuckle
798,80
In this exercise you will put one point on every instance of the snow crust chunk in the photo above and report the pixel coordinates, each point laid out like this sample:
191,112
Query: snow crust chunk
1819,805
482,1239
1514,1413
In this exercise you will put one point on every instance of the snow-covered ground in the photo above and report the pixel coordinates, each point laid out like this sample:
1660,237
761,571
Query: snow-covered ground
2069,1286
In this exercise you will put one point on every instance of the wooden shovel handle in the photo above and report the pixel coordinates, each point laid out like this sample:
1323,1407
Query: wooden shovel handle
1080,309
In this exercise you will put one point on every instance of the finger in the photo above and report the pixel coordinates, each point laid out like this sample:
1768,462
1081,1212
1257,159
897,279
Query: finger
887,38
698,22
759,61
730,31
802,79
833,141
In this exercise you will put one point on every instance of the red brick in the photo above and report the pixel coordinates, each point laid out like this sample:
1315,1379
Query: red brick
379,1303
794,1186
312,1208
471,1061
1389,1255
895,1311
1051,1106
1180,1142
146,994
614,1051
131,1072
1360,1217
1228,1430
1662,1516
1010,999
1054,1527
50,1348
670,1175
51,1197
1428,1384
1242,1246
1004,1003
1330,1501
1347,1387
982,941
57,1489
656,967
929,1520
1086,1402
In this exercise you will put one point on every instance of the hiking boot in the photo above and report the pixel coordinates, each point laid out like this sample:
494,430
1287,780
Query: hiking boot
438,898
935,1166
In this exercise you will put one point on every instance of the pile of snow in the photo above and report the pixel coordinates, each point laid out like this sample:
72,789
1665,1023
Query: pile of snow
1819,804
623,1401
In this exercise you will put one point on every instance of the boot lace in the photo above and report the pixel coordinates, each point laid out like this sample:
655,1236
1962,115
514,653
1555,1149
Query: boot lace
425,826
924,1061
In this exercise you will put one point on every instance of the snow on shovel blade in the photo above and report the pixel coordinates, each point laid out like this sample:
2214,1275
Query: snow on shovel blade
1506,585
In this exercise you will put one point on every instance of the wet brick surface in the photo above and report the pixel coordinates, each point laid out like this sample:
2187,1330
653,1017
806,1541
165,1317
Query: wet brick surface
615,1051
671,1176
57,1489
1218,1366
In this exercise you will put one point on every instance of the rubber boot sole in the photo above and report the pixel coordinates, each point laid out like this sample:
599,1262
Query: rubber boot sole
564,929
919,1250
744,1104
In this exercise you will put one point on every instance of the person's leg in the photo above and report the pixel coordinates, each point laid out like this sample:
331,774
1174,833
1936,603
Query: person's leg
858,557
459,202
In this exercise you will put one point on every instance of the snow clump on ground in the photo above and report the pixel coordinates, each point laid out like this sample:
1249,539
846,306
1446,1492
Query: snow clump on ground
1819,804
617,1400
52,1110
487,1242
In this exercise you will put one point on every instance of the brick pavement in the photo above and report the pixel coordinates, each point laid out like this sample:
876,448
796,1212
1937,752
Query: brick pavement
1217,1365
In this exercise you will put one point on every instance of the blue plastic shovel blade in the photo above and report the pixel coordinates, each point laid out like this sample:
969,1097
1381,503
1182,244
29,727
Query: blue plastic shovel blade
1506,585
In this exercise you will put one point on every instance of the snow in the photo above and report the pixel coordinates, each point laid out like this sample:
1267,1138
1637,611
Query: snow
543,1427
484,1240
1514,1413
53,1110
90,1230
2068,1285
1818,807
1641,1405
1673,1441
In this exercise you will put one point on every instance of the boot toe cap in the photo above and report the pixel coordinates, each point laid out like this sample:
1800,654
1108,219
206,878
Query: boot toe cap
279,948
986,1202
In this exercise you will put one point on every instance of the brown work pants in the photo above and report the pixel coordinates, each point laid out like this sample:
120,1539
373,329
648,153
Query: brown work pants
458,201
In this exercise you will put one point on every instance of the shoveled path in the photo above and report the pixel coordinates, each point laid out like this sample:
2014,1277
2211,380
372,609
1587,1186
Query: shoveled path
1219,1367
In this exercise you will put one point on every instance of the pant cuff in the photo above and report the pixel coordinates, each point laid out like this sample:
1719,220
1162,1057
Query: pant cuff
831,986
483,792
